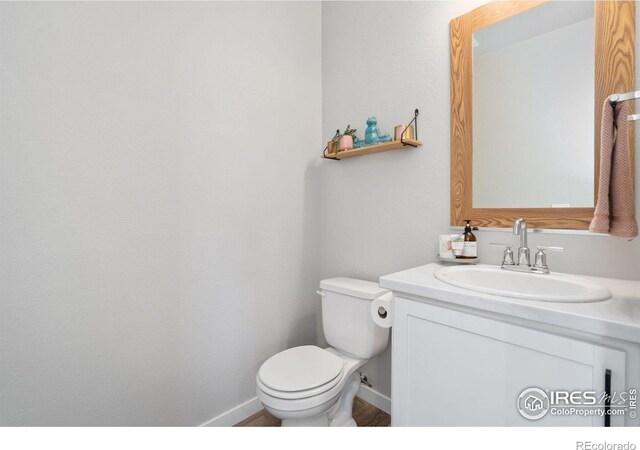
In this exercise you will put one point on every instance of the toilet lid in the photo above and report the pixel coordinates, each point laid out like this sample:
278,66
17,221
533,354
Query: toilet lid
300,369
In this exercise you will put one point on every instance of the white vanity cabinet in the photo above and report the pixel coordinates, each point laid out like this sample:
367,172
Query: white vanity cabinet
455,367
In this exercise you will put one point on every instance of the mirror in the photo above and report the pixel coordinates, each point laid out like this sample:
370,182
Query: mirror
528,81
533,103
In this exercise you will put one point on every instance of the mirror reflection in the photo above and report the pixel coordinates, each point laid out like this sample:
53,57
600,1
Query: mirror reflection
533,109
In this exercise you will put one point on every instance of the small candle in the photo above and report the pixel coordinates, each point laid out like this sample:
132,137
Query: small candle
400,129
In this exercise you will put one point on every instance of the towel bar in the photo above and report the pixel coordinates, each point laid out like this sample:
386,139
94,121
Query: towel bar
615,98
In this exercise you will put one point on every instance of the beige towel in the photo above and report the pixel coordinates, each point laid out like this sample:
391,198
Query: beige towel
615,211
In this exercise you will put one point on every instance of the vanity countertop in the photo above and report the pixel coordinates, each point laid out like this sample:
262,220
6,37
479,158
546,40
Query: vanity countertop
618,317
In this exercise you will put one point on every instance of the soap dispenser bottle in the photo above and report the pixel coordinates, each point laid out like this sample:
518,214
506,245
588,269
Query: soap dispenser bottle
470,249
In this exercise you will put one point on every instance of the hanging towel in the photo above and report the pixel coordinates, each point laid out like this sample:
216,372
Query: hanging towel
615,212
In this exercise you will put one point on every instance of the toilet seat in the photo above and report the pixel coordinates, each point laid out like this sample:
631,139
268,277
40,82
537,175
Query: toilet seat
300,372
304,402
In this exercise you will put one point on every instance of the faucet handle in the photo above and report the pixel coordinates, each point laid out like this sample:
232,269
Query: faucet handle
541,256
507,257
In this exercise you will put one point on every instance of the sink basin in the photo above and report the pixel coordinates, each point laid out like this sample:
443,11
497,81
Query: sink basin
553,287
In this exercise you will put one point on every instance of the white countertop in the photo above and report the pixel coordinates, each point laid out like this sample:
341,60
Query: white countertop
618,317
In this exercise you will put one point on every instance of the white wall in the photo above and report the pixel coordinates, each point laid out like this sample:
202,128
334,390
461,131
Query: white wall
383,213
531,108
158,205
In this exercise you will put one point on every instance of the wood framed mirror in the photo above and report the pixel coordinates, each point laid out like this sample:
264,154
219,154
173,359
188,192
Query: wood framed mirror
613,61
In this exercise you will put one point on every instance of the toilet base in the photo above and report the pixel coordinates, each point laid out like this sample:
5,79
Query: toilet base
343,415
316,421
314,417
339,414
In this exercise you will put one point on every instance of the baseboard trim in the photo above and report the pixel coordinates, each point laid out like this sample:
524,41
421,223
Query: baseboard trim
235,415
252,406
377,399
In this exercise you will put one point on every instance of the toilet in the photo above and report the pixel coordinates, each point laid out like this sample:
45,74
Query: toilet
311,386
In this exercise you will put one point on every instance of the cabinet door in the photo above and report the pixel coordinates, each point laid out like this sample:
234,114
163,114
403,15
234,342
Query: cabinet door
454,369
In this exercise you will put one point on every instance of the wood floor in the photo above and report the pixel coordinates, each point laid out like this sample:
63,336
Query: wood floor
365,415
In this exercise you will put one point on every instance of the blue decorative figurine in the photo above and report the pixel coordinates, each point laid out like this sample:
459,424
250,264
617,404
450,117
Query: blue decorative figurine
372,135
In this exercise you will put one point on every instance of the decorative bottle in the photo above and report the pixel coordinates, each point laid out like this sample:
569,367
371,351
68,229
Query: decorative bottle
470,249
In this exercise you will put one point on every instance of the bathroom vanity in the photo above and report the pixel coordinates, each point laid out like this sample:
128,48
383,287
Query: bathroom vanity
464,357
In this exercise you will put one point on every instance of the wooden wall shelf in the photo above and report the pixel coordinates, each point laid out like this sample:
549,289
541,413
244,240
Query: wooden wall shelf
377,148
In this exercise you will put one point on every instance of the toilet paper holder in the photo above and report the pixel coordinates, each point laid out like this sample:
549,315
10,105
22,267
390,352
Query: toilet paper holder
382,310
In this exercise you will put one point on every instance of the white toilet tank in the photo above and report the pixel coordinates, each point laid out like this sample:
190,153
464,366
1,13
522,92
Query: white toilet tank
346,317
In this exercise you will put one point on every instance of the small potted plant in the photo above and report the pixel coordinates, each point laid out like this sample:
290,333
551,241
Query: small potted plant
347,138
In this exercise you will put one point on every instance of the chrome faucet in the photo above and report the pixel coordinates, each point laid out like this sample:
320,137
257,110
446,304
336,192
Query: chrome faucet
520,227
524,259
